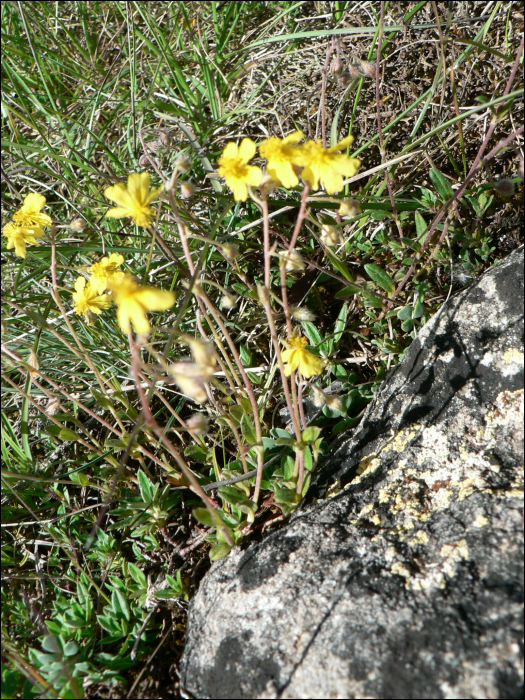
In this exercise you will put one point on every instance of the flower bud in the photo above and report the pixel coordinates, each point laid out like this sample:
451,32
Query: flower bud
318,397
202,352
302,314
164,139
230,251
77,224
334,402
336,67
228,301
368,70
187,190
182,163
33,361
198,424
263,295
292,259
53,406
268,183
330,235
505,188
144,161
192,387
349,207
154,146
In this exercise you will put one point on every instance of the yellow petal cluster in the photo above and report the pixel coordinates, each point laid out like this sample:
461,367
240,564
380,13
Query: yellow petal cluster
234,169
27,224
88,300
133,200
297,357
102,271
327,165
281,155
133,301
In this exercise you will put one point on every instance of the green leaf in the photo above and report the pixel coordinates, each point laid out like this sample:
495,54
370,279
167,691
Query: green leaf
311,434
145,486
311,332
51,644
285,496
231,495
348,291
67,434
340,323
421,225
120,604
137,575
237,412
203,515
70,649
441,184
339,265
381,278
405,313
419,310
220,550
407,325
195,452
371,299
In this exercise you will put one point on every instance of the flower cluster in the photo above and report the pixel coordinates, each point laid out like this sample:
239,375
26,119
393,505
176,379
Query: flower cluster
132,300
325,166
27,224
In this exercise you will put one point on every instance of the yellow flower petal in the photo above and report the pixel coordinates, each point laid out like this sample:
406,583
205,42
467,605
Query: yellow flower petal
133,301
120,195
130,311
155,299
33,203
247,150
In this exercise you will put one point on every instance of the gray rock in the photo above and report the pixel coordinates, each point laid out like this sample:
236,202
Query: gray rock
406,580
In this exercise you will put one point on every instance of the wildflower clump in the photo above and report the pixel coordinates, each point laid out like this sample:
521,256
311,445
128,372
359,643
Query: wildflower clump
27,224
234,169
133,200
133,301
282,155
296,356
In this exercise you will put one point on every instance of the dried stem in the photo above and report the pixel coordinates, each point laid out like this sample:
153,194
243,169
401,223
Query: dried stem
379,131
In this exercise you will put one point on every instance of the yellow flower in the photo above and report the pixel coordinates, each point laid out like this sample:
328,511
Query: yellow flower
133,200
281,154
297,357
327,166
18,236
102,271
133,301
233,168
29,214
87,299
